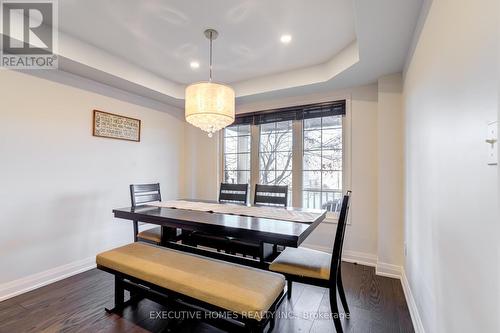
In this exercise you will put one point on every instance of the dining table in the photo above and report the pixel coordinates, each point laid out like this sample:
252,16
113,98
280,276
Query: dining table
268,226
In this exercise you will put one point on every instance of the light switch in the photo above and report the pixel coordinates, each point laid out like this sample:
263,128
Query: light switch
492,141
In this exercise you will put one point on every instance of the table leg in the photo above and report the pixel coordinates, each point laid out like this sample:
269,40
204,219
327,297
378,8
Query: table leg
266,250
167,234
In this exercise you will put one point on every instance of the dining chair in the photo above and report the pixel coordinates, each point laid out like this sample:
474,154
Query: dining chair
228,193
271,195
265,195
318,268
233,193
142,194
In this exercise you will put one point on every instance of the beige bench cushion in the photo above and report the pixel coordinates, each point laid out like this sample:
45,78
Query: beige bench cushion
244,290
303,262
153,234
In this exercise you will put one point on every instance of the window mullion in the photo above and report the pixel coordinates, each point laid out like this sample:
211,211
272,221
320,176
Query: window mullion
297,156
254,158
321,165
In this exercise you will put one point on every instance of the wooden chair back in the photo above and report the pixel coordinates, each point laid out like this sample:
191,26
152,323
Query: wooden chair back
144,193
141,194
339,238
273,195
233,193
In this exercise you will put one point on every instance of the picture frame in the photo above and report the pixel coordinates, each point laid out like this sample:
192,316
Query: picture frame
115,126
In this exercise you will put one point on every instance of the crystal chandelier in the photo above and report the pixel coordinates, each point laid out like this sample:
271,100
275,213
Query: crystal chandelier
210,106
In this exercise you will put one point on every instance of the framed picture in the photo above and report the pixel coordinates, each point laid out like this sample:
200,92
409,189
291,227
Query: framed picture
114,126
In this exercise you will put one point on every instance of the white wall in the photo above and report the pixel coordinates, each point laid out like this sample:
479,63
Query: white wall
59,183
201,173
451,214
390,170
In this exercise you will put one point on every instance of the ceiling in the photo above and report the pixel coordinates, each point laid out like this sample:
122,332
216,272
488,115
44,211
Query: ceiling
165,36
145,47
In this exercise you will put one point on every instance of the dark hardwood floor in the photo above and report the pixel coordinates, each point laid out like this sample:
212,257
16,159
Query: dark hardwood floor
77,304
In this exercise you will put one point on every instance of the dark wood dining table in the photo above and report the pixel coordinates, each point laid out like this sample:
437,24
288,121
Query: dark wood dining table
269,232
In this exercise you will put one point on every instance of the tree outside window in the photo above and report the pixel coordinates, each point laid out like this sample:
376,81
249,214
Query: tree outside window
322,163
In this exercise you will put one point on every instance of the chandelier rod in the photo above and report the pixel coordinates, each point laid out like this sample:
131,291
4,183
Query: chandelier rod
210,79
211,34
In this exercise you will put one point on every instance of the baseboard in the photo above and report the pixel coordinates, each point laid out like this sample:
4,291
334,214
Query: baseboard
23,285
388,270
361,258
412,305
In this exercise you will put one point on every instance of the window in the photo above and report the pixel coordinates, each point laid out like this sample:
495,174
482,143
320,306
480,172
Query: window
237,154
322,163
302,147
275,155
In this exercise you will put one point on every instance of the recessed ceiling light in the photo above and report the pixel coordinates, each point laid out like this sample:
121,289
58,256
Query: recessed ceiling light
285,39
194,64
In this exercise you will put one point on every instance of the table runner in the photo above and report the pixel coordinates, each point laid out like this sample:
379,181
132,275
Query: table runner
274,213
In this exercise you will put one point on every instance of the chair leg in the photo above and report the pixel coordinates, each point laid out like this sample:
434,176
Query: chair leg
289,289
136,230
272,323
119,292
343,299
335,309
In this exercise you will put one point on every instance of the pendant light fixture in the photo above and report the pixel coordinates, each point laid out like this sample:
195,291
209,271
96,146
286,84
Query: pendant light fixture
210,106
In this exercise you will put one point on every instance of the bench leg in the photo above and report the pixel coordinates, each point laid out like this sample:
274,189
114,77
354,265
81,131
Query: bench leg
119,296
254,328
119,292
135,297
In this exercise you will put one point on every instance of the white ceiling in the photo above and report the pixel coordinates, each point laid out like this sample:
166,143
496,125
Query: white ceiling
385,31
165,36
145,47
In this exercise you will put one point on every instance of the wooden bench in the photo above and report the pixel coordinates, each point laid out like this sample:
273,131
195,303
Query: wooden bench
248,295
